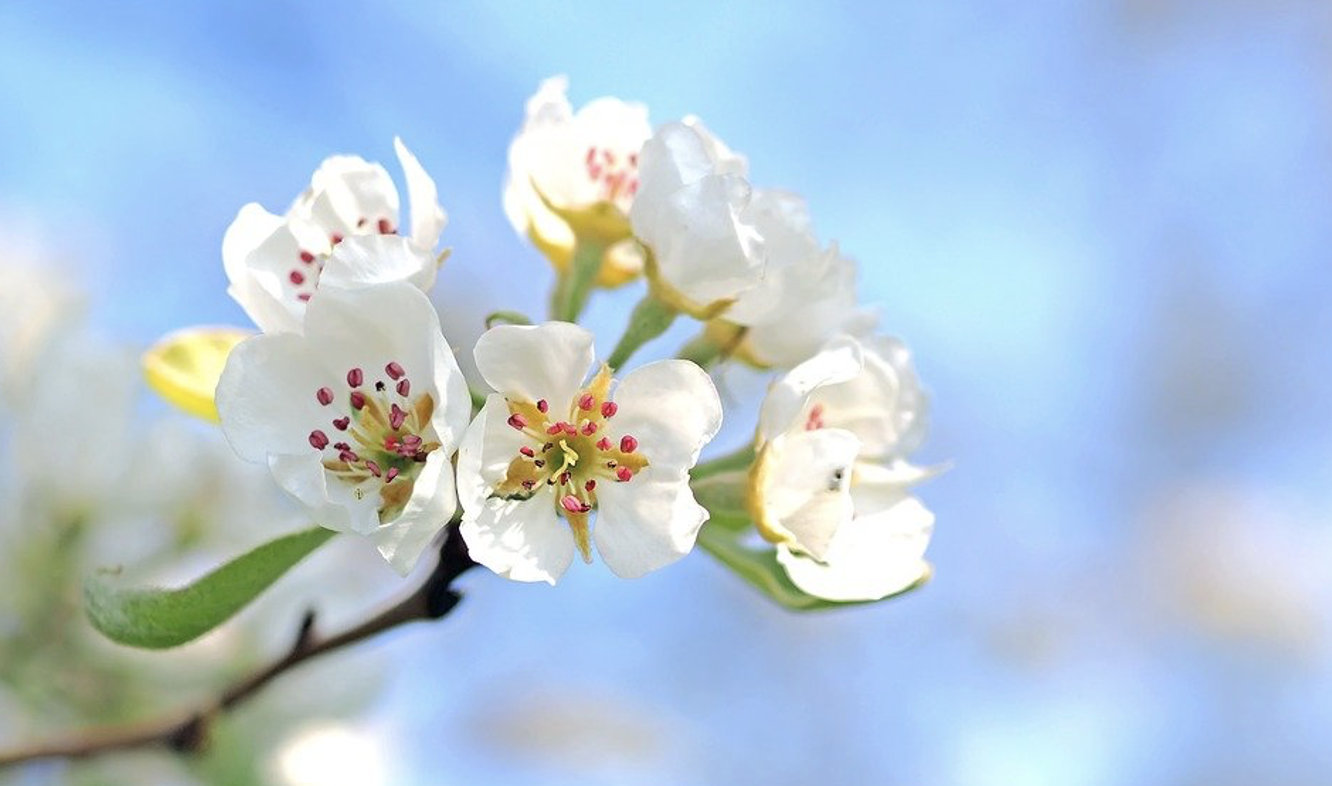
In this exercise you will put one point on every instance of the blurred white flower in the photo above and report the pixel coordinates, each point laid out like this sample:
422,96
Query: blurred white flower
692,212
275,263
358,417
807,295
547,445
575,162
36,304
331,754
830,485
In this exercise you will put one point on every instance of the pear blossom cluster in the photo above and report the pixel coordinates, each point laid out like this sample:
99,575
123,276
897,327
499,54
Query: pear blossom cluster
354,399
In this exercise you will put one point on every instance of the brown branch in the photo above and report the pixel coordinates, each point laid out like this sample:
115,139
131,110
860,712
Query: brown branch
188,733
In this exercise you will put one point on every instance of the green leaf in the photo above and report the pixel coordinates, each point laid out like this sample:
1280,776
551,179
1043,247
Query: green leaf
155,618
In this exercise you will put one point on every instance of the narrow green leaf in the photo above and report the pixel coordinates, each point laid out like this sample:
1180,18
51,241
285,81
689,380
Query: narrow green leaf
155,618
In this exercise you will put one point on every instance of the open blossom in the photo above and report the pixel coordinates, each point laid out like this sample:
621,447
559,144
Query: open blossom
576,162
830,485
691,211
276,263
549,448
357,417
807,295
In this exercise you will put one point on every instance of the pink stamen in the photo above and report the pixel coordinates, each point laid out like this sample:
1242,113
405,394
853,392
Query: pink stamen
349,456
526,451
570,429
624,474
397,416
342,423
373,467
555,429
355,377
609,409
391,474
304,297
325,396
394,370
404,387
518,421
297,277
307,257
529,484
628,444
572,504
336,238
543,406
587,402
384,226
604,443
318,440
589,428
411,441
357,400
591,485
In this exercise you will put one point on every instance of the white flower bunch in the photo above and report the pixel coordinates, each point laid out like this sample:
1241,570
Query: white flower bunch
352,397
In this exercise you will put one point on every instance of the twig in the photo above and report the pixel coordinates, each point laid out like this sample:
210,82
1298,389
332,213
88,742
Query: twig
433,599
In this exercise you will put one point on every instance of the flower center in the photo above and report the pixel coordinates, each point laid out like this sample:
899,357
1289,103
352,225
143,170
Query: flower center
383,435
570,456
304,277
617,175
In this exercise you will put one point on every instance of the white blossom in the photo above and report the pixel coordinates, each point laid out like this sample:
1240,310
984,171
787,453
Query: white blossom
549,445
807,295
576,162
357,417
691,211
831,482
276,263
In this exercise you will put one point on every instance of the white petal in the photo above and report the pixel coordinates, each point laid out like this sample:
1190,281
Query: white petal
370,327
884,405
532,362
428,218
258,252
266,396
548,108
870,558
432,504
725,160
801,325
331,503
805,486
647,523
346,189
523,541
840,361
672,408
691,212
362,260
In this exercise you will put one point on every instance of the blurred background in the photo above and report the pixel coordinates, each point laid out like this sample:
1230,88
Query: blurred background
1102,227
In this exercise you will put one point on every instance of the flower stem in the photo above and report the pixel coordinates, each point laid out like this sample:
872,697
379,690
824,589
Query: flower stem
650,319
575,284
701,349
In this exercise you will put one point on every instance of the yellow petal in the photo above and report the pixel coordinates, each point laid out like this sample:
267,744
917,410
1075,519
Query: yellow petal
183,367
